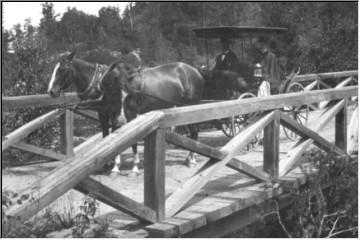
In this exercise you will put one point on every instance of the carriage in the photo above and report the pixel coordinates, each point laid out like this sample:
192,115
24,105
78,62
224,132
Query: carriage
242,38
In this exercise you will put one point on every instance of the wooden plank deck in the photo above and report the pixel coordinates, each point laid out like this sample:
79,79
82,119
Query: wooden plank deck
225,195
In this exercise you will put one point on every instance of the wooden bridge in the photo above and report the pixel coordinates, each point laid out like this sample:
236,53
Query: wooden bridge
225,194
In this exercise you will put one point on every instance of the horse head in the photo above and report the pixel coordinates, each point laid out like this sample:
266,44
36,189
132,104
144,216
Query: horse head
62,73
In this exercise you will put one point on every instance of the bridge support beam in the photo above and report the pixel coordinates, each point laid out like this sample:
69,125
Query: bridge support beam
67,133
341,128
271,147
154,174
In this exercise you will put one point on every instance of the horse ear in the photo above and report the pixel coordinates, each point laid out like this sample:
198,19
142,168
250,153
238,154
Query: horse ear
71,56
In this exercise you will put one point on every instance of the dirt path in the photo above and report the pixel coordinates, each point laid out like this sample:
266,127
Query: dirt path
176,174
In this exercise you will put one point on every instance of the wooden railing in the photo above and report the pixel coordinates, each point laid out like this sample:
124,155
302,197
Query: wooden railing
80,162
321,81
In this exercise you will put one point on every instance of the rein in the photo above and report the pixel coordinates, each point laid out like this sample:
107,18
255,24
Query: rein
158,98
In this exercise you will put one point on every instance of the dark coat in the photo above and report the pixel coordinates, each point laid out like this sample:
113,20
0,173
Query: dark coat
271,69
230,62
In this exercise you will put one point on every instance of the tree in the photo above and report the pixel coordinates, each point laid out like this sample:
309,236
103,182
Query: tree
110,26
48,23
26,72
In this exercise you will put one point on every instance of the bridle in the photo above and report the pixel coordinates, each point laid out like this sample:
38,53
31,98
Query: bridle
95,86
93,89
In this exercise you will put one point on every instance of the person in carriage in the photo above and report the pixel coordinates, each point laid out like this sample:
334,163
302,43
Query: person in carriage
225,74
227,59
270,68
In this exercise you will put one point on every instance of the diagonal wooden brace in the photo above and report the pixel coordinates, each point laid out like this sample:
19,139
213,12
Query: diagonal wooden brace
291,157
305,132
217,155
116,199
182,195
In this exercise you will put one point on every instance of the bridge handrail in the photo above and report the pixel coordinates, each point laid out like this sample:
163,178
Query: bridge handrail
9,103
210,111
322,76
40,100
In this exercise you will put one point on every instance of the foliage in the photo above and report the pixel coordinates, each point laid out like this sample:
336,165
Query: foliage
326,206
48,222
83,225
26,72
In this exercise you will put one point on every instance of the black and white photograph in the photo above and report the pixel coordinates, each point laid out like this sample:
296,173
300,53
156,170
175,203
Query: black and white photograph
226,119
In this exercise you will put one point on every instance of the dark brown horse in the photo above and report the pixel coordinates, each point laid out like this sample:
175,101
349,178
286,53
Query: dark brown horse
165,86
84,76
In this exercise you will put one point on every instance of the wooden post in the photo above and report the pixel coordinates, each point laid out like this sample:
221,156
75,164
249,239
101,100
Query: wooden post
271,147
66,133
353,133
154,174
341,127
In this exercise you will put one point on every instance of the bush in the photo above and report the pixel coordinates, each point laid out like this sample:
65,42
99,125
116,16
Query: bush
26,72
83,225
326,206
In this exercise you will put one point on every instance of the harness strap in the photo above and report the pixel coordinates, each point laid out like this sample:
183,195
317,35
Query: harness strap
94,84
159,98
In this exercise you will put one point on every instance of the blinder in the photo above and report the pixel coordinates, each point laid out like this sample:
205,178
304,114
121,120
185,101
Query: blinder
66,67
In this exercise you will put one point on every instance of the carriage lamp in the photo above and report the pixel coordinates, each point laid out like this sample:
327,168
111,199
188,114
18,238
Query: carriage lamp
257,71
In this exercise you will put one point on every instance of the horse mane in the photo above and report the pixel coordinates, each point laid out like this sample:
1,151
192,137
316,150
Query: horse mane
65,55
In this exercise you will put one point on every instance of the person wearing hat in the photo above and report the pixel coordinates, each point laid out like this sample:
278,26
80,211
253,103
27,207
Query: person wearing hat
271,71
227,59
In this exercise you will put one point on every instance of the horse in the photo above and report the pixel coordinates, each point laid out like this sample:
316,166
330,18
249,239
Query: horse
160,87
70,71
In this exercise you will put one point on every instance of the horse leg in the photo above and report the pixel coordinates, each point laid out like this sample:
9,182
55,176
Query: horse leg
115,171
130,114
104,124
190,160
136,161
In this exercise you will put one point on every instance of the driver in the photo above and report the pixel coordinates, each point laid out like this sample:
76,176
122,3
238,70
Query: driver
227,59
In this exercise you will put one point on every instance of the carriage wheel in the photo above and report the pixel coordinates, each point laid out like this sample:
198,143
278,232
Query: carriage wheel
234,125
298,113
250,117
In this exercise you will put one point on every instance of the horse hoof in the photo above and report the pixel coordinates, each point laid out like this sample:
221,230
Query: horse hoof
191,165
